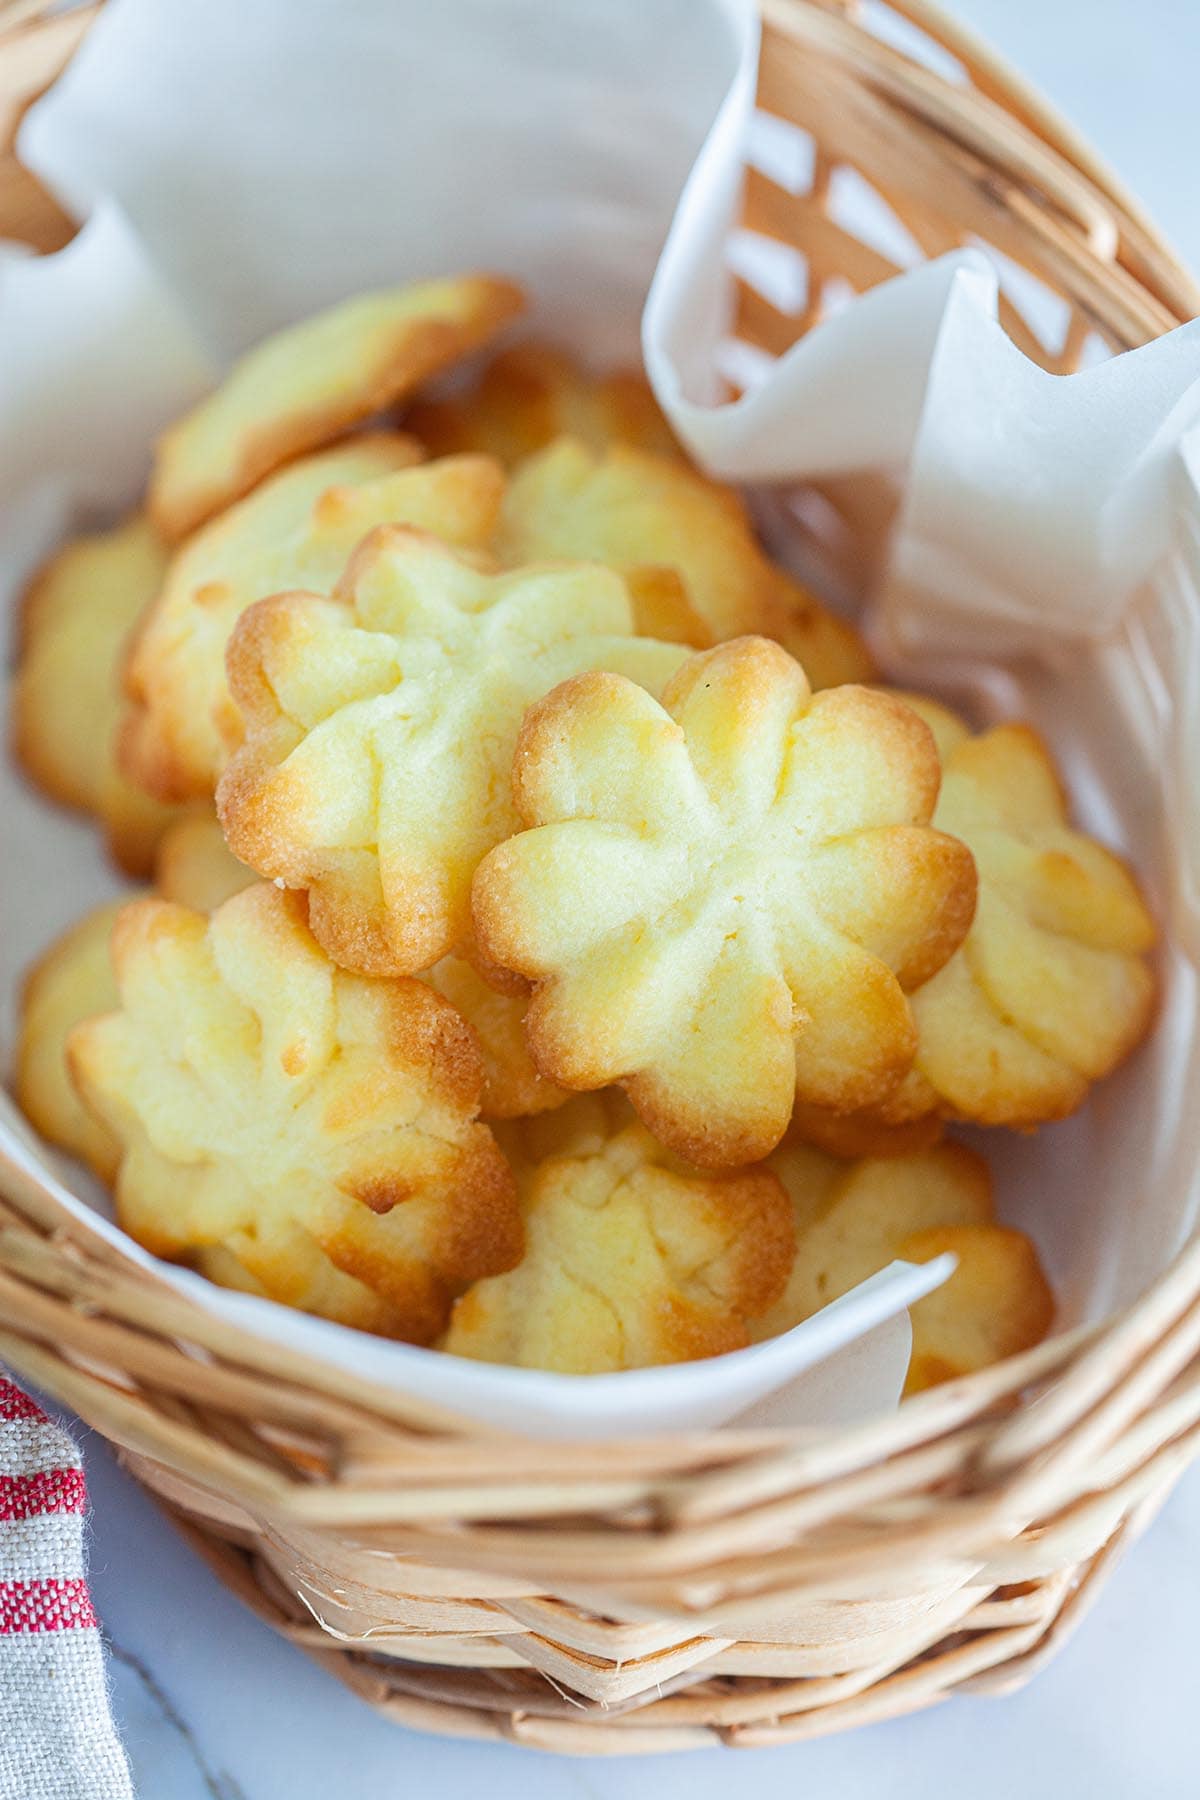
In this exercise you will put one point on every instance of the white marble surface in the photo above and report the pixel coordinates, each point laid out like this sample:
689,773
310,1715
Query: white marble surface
231,1713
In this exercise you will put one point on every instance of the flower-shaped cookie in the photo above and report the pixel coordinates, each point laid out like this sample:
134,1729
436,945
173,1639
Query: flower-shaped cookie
512,1086
295,531
307,385
76,616
632,1258
272,1106
909,1119
1051,989
996,1304
73,980
850,1216
532,394
829,651
195,866
380,727
633,511
851,1221
723,898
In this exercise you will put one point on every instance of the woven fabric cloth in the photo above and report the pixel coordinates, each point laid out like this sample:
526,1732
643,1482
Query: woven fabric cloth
57,1740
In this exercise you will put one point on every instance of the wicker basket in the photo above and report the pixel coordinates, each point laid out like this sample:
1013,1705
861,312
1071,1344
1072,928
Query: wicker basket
743,1588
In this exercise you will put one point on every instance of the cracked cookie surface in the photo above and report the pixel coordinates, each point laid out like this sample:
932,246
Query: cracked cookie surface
633,1259
75,620
853,1220
314,1128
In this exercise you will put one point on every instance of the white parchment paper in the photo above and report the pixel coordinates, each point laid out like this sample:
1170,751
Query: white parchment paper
239,166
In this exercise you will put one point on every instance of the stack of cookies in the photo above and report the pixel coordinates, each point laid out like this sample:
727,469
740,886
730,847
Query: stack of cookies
560,948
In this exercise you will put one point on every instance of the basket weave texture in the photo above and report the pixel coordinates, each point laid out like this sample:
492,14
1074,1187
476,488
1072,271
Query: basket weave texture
738,1587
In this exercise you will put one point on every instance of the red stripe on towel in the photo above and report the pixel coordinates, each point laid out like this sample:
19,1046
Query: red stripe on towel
45,1606
16,1405
49,1491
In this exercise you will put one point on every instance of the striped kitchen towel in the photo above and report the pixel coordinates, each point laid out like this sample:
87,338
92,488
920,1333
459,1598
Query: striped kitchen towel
57,1740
